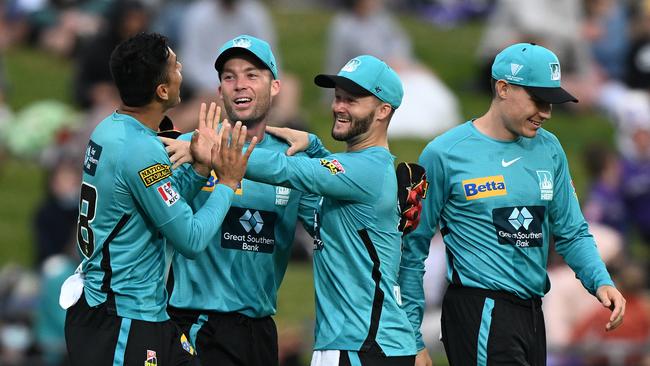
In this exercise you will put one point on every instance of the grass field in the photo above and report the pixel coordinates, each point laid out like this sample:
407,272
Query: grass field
34,75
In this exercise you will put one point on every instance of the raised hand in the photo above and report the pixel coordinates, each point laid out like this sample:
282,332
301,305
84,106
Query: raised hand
228,159
204,137
297,140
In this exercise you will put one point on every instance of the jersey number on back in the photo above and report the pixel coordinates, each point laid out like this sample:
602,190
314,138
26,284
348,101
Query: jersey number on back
87,205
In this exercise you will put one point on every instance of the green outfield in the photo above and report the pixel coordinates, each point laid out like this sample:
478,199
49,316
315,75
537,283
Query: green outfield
451,53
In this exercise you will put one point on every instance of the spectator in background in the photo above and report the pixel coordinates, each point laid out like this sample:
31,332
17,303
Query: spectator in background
638,58
628,345
49,321
604,203
365,27
57,25
93,85
208,24
635,182
606,29
18,293
555,24
567,304
56,218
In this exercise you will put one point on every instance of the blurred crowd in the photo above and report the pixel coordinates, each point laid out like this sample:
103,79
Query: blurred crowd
604,46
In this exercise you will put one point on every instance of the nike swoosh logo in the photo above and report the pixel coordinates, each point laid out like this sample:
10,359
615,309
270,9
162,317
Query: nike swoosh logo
506,164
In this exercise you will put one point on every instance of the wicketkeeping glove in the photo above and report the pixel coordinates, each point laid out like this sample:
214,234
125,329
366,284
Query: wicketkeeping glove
411,189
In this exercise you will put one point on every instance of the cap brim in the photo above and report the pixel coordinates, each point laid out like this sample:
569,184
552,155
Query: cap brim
332,81
551,95
227,54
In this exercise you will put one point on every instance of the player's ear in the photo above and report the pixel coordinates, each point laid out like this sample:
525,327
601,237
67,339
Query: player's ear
501,88
275,87
162,91
383,111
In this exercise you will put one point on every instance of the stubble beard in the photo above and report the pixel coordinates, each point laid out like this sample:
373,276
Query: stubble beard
259,114
358,126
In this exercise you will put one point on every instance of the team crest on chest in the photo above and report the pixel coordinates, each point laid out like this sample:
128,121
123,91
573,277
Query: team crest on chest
545,179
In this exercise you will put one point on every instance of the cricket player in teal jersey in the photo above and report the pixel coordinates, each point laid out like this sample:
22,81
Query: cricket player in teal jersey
224,299
133,213
359,320
500,188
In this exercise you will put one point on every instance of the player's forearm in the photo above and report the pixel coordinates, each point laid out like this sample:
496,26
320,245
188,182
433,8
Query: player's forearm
189,181
190,234
413,302
582,256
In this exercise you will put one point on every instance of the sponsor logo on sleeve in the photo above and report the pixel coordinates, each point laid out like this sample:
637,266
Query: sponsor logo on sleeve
519,226
91,157
213,180
154,174
545,184
334,166
249,230
168,194
484,187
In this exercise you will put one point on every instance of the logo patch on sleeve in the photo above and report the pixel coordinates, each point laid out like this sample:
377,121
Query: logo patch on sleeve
168,194
333,166
91,158
484,187
154,174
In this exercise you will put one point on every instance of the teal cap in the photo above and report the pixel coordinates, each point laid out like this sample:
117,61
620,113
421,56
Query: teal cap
255,46
535,68
366,75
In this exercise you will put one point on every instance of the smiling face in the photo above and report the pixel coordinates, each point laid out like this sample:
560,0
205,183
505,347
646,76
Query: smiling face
353,115
521,114
247,89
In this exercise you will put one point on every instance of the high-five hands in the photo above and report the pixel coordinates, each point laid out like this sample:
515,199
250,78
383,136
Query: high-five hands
199,150
205,136
228,159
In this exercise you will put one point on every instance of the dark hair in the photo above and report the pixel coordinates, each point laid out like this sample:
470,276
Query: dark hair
138,65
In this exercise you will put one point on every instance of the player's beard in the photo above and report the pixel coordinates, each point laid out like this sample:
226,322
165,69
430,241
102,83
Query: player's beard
358,126
260,111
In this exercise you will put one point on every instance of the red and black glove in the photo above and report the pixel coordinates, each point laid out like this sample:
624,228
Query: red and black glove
411,189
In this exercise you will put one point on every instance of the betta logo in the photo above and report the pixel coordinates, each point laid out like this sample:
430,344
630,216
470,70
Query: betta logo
484,187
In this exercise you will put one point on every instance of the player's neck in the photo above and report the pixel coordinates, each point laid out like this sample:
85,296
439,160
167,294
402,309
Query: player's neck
147,115
492,124
256,130
373,139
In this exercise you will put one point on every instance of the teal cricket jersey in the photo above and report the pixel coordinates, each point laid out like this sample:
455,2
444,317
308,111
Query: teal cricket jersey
131,203
357,247
497,203
243,267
